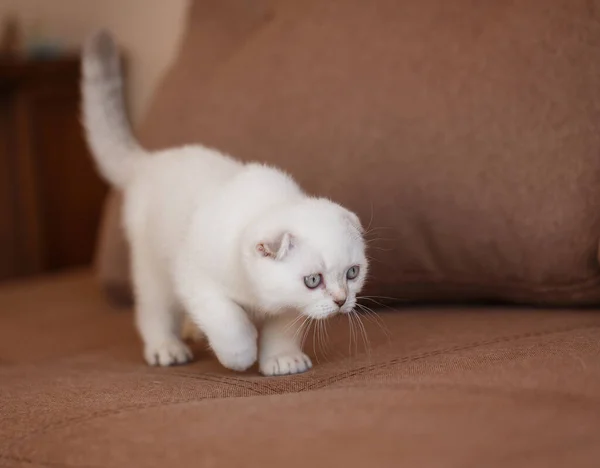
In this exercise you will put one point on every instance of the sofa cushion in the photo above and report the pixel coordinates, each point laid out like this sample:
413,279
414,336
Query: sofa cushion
465,134
451,387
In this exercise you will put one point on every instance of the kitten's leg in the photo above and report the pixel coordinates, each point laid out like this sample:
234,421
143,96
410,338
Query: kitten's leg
190,331
157,317
280,352
230,333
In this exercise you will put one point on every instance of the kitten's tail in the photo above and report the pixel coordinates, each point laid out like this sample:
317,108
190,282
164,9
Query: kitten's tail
108,131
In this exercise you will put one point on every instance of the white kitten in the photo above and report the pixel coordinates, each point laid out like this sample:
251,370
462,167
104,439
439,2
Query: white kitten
234,245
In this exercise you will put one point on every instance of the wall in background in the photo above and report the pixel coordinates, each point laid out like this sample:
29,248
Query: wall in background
148,30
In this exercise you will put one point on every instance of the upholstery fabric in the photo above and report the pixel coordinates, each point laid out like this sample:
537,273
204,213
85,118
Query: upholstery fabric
451,387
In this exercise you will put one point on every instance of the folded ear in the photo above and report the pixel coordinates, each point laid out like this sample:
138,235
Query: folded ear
354,221
277,247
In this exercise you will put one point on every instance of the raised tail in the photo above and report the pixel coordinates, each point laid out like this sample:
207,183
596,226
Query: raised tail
108,131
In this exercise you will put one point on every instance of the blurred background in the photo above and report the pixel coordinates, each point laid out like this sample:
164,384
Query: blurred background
50,195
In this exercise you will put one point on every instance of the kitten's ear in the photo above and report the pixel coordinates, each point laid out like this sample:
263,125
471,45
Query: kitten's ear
276,248
354,221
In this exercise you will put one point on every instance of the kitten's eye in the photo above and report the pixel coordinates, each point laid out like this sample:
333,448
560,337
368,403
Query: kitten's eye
312,281
352,272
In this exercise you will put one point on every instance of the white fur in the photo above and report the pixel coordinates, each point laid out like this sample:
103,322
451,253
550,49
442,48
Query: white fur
226,242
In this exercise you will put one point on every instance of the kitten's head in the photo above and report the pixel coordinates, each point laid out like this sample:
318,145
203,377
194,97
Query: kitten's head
309,256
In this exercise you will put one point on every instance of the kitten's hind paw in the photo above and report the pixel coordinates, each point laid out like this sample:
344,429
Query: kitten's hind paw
285,364
168,353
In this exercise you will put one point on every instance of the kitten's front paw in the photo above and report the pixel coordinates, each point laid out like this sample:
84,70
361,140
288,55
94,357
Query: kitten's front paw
167,353
285,364
238,358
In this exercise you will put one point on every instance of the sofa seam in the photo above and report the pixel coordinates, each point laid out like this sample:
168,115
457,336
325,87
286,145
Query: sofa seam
323,384
438,352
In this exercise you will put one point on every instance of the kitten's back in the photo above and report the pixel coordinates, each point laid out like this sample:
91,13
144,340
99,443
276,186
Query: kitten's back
168,187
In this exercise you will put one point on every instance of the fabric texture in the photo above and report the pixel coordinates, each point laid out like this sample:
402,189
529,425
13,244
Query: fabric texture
465,134
451,387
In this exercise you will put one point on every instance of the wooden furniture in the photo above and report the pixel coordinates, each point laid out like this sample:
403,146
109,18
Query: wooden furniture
50,194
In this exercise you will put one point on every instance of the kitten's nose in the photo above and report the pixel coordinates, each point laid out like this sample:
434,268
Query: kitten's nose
340,301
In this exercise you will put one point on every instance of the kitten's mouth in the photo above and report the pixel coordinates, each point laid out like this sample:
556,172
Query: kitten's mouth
324,316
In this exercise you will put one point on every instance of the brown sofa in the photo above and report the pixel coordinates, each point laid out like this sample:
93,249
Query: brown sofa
474,149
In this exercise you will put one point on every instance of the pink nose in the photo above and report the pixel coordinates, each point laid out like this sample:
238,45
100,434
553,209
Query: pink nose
340,301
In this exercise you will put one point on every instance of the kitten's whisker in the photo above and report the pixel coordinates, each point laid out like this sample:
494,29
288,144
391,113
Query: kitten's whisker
381,249
372,313
377,239
314,340
365,337
327,339
292,323
374,318
373,259
378,228
358,329
307,331
380,304
326,335
297,330
323,345
300,330
354,335
349,336
385,298
320,337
